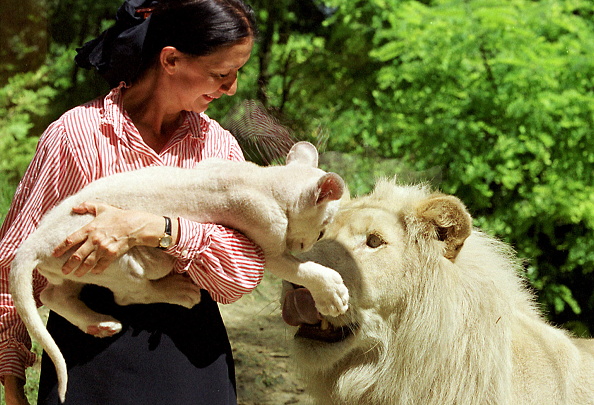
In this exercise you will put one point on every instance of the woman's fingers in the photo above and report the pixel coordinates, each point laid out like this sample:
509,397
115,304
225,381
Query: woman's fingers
86,265
109,235
95,255
80,236
91,207
71,241
92,246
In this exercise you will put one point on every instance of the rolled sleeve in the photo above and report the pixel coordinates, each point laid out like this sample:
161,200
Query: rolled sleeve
15,357
220,260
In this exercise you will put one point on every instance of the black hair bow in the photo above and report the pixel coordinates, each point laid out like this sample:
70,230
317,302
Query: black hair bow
116,53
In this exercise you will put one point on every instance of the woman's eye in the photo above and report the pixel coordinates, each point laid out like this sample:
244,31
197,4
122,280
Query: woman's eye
374,241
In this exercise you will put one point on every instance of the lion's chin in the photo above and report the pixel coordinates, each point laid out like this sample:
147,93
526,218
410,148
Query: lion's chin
317,350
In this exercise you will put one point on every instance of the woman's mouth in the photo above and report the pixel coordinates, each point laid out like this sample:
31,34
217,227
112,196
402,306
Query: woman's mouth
209,98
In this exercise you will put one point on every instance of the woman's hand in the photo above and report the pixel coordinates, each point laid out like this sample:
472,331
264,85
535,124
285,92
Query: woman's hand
14,390
107,237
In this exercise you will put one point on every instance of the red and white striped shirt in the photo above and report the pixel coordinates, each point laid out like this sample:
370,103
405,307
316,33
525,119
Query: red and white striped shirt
98,139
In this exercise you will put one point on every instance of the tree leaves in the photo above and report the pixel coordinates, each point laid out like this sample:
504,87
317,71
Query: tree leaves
498,95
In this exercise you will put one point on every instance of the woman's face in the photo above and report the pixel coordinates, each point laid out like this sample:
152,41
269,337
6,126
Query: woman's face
198,80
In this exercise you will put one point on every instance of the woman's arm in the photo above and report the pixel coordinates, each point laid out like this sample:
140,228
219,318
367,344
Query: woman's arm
220,260
14,390
111,234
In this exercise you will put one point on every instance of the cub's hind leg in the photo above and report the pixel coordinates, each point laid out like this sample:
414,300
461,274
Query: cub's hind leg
64,300
146,277
172,289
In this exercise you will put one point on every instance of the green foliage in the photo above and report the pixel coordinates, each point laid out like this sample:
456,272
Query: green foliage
32,375
6,192
18,104
501,95
25,102
498,95
361,172
23,36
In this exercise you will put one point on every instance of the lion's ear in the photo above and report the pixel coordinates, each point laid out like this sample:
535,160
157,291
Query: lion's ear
449,219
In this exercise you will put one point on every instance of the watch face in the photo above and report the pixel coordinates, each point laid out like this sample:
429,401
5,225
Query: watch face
165,241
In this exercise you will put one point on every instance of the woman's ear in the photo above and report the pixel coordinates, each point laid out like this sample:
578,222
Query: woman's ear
169,58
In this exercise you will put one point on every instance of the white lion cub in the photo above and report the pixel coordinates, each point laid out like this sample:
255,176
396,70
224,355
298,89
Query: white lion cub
283,209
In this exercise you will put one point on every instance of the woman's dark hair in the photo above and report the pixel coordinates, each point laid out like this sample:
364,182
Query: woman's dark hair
144,27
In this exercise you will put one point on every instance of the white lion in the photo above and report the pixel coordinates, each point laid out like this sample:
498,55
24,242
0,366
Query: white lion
438,314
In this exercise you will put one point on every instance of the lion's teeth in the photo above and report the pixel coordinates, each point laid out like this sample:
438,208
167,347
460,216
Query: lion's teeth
324,325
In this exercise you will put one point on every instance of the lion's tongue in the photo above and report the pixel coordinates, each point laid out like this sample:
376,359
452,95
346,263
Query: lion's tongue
299,308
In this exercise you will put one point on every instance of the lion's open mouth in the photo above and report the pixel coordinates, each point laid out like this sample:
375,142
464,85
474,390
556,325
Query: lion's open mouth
299,310
326,333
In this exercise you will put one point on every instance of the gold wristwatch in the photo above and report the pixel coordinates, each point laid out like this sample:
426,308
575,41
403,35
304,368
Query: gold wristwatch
166,240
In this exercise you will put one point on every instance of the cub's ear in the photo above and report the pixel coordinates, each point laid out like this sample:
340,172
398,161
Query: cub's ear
330,188
448,220
304,153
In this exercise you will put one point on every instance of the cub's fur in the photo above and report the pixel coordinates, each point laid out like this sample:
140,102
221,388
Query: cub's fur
283,209
438,314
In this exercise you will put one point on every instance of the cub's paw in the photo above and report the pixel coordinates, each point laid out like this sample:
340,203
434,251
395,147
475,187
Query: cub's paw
333,297
104,329
335,305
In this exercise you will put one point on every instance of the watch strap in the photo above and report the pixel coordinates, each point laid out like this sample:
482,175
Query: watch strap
165,240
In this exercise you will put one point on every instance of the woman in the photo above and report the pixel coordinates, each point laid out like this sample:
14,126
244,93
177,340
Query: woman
166,61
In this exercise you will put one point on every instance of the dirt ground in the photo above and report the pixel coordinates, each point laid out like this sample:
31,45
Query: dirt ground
261,343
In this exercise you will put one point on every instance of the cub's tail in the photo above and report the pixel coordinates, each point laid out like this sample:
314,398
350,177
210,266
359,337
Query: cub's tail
21,289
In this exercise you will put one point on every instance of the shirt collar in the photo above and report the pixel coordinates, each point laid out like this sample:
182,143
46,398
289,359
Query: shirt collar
199,125
113,110
114,115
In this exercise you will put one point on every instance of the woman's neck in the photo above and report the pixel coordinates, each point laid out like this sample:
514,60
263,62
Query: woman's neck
146,104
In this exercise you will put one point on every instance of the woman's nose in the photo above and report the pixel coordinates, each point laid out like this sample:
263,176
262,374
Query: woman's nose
229,87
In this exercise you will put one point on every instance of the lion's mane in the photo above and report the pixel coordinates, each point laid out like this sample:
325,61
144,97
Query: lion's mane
458,324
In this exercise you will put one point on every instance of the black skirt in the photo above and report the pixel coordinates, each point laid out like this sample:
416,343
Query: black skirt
165,355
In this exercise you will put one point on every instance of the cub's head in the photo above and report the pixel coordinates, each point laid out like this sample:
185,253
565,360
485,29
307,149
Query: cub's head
316,198
385,246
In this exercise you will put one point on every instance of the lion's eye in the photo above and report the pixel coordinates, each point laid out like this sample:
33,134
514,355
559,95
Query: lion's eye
321,235
374,240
